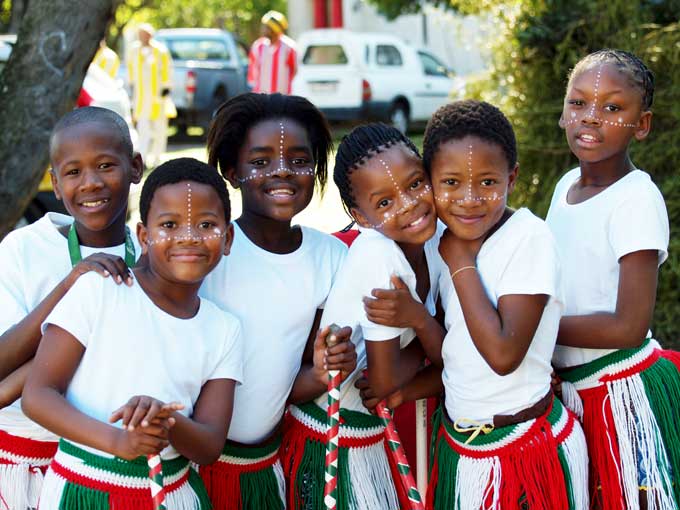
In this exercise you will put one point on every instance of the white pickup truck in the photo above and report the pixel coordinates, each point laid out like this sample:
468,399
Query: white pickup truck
210,67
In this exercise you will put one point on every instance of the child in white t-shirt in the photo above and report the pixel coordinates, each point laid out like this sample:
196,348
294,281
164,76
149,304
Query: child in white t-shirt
147,369
504,441
382,183
93,166
273,148
612,232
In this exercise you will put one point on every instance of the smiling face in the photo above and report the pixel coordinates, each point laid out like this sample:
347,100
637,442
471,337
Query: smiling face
393,195
186,232
275,170
91,174
602,113
471,182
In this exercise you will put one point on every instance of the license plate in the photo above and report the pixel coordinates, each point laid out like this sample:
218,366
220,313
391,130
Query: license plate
323,87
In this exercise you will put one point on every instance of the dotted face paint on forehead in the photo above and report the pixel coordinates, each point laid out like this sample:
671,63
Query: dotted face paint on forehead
190,234
448,196
592,110
256,173
406,200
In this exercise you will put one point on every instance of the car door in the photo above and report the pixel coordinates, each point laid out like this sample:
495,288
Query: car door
436,84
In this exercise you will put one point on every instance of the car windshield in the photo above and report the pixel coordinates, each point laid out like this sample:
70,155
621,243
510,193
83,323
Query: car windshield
197,49
325,55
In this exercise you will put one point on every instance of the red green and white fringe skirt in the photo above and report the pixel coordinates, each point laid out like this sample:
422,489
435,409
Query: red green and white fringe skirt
23,463
246,477
629,402
80,480
365,475
540,464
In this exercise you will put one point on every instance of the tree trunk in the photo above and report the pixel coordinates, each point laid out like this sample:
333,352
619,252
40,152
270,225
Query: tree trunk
18,10
56,42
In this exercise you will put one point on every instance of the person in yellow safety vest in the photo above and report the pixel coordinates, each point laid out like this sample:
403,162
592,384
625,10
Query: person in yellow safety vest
107,59
150,76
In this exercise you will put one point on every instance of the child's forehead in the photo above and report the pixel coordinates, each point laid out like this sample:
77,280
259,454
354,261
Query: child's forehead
71,141
396,157
180,195
599,73
468,148
271,132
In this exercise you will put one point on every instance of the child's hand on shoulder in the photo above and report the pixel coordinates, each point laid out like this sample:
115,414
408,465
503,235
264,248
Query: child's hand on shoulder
395,307
342,356
457,252
104,264
370,401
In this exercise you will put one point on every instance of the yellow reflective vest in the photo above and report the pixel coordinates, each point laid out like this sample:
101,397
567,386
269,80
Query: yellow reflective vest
149,72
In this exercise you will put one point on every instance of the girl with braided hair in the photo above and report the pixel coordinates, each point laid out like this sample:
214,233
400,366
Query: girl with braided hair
383,187
611,226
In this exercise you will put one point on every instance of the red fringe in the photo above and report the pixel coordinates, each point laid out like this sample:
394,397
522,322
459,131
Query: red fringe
223,485
291,453
606,490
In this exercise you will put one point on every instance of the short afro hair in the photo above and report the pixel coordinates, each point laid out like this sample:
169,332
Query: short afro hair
94,114
455,121
181,170
361,144
634,69
233,120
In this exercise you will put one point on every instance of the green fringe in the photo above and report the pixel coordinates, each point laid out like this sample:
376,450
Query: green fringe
662,387
310,480
567,476
77,497
196,484
447,471
260,491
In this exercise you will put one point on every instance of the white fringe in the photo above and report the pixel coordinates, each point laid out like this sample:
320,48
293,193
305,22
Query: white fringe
371,478
52,488
639,434
184,498
19,486
576,453
472,483
280,480
571,399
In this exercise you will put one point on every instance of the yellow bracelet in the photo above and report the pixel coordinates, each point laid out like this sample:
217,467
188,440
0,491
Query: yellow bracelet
453,275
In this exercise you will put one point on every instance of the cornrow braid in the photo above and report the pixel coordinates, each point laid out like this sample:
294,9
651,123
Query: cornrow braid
356,148
638,74
457,120
232,121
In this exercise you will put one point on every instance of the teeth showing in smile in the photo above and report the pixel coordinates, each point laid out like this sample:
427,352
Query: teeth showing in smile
587,138
280,192
417,222
96,203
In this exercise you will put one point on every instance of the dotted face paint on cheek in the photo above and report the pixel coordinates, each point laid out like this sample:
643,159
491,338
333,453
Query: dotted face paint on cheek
406,200
256,173
593,109
190,234
468,196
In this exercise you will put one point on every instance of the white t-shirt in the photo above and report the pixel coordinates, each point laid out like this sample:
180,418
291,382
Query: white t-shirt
519,258
276,298
628,216
132,347
371,261
35,259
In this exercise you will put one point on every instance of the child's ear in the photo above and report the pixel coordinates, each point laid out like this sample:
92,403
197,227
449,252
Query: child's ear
512,178
644,125
561,122
137,168
143,237
229,237
361,220
55,186
230,176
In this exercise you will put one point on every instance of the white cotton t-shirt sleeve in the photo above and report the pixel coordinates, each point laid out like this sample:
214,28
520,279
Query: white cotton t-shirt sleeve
76,311
12,297
230,361
640,222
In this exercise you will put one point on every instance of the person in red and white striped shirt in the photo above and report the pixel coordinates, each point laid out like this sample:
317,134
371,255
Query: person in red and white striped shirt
272,62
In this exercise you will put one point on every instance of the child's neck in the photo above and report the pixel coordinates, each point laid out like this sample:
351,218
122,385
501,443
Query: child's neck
606,172
113,235
269,234
177,299
415,256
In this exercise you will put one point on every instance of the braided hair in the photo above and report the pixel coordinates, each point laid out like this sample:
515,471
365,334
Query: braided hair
455,121
233,120
634,69
356,148
180,170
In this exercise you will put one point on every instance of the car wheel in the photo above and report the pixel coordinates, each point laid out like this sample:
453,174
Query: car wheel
399,117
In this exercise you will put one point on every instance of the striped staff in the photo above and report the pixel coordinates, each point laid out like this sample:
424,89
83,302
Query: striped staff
156,476
399,456
332,428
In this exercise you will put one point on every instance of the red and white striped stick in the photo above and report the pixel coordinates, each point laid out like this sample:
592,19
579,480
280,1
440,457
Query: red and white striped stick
399,456
156,476
332,429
